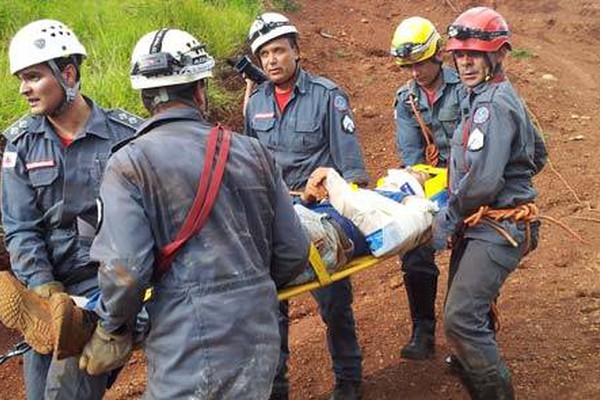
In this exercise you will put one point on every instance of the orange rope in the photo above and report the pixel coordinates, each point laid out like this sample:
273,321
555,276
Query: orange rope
432,154
490,216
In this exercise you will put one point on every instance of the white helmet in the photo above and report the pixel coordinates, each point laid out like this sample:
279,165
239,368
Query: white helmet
169,57
267,27
41,41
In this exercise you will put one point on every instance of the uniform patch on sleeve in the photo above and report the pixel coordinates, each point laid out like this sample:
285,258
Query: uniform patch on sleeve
347,124
9,159
481,115
340,103
476,140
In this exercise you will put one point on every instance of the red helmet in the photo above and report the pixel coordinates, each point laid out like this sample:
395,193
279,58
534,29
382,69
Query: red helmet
479,29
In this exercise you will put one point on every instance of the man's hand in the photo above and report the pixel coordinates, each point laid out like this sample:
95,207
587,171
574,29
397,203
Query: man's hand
315,186
444,227
105,351
47,289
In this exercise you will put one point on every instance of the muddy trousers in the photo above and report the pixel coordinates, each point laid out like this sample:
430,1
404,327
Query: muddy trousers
50,379
478,269
335,305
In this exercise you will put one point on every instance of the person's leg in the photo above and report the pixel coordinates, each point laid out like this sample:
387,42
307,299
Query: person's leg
35,370
335,303
420,281
66,381
481,271
281,383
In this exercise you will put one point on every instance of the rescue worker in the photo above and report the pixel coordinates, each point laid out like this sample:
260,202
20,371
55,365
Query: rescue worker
426,113
52,166
306,122
490,218
213,315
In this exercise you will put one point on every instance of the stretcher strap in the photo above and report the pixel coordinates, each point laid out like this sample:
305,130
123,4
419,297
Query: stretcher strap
318,266
208,188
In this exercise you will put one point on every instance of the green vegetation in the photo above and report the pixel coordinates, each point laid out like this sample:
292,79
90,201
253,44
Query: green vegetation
522,53
110,28
286,5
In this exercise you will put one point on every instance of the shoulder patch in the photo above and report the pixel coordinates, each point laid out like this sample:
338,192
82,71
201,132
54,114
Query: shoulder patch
340,103
326,83
476,140
125,118
9,159
481,115
19,128
348,125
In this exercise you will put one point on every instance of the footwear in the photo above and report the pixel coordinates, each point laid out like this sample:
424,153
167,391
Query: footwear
421,291
48,325
491,383
454,364
27,312
422,342
346,390
279,396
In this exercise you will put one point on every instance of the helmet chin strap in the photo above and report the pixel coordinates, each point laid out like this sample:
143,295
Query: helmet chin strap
493,69
70,92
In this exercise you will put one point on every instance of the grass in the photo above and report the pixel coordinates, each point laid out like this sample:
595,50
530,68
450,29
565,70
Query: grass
109,30
522,53
286,5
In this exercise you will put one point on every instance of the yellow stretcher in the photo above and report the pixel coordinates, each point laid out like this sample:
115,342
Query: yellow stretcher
435,189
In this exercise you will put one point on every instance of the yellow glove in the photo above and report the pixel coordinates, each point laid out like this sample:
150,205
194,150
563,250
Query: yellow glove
47,289
105,351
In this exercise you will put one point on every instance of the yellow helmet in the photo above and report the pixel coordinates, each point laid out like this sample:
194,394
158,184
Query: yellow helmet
414,40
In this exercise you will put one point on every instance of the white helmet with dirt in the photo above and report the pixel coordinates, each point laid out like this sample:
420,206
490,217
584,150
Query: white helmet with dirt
269,26
169,57
41,41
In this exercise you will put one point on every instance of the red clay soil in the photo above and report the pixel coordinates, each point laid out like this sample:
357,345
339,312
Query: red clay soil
550,307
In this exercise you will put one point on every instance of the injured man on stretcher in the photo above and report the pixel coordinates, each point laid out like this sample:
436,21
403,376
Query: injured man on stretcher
343,222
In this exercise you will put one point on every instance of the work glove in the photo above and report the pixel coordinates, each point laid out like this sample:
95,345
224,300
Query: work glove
444,227
47,289
105,351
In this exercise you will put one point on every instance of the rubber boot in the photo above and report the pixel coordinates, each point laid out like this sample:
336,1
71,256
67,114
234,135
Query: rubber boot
48,325
346,390
421,290
492,383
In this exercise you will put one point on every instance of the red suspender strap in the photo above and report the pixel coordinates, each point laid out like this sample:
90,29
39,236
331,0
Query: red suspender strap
208,188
